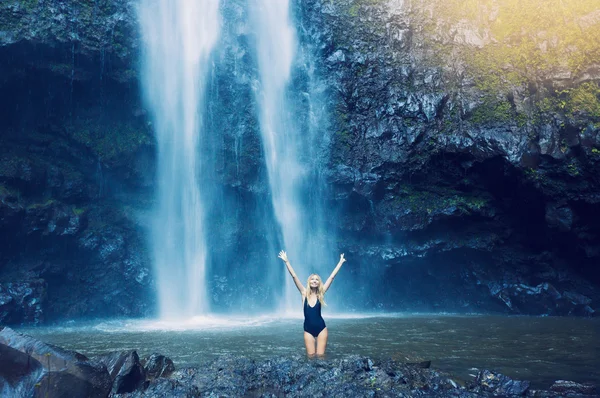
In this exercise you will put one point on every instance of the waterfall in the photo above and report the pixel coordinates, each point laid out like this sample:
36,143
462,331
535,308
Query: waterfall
286,145
178,37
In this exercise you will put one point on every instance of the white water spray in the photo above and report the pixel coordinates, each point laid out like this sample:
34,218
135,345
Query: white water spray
178,38
282,140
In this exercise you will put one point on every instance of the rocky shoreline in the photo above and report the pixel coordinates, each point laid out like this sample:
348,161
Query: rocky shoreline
29,367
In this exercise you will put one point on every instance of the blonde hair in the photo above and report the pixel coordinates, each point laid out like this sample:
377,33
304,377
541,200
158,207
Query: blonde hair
320,290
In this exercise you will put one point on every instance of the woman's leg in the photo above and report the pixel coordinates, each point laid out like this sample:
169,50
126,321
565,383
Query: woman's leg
321,342
309,342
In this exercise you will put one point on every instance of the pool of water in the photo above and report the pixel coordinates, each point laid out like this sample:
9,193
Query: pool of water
538,349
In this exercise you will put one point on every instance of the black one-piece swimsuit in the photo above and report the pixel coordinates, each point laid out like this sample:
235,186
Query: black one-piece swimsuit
313,321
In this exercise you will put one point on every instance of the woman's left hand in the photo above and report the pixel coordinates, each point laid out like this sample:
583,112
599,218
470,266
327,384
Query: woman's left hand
342,259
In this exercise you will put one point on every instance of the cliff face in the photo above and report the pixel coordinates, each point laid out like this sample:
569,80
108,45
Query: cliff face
461,155
465,149
76,163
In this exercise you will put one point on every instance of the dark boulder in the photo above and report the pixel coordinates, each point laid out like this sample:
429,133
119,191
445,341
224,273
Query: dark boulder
22,302
543,299
30,368
571,388
125,369
157,365
498,384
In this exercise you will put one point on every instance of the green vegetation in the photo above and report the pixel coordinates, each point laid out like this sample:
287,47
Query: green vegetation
47,203
29,4
355,6
536,176
425,201
109,141
78,211
583,100
524,40
572,169
527,35
493,111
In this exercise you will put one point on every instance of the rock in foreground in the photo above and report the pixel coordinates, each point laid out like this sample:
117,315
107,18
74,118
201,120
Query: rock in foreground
353,376
31,368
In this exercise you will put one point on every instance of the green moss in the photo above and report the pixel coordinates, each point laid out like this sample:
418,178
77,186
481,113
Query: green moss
79,211
29,4
595,151
47,203
525,40
492,111
109,142
430,202
535,176
584,99
572,169
355,8
530,35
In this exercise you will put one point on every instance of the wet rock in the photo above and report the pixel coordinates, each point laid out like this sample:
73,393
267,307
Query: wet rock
51,26
126,371
541,299
559,216
26,364
30,367
157,365
24,173
498,384
52,218
167,388
22,302
577,298
571,388
353,376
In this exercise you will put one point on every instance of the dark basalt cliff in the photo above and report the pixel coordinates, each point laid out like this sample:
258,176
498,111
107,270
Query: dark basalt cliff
461,160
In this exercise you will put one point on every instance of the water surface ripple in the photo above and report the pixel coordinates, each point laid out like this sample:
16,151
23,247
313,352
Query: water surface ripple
538,349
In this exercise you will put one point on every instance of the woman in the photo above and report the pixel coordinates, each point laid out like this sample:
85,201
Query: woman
315,330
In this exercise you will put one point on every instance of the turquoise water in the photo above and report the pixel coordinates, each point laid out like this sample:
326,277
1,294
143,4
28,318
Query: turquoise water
538,349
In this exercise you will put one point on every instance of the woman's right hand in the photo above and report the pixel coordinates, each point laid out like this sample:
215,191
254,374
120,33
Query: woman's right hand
282,255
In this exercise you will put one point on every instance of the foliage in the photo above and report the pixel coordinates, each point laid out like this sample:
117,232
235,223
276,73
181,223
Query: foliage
78,211
528,36
584,99
109,141
524,40
42,205
439,200
581,100
493,111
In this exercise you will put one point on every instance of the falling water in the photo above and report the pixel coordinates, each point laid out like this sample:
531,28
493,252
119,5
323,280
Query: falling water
178,38
283,142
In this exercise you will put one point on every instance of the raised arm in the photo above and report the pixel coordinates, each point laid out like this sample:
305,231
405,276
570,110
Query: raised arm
283,256
334,273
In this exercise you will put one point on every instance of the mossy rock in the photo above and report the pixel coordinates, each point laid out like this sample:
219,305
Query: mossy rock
437,201
110,142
